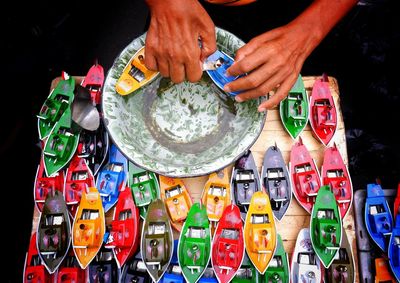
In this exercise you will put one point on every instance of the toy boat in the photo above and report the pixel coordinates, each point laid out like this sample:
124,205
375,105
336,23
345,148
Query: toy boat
177,200
245,181
396,207
342,268
216,65
305,265
228,244
323,114
157,242
304,176
247,273
144,186
293,109
394,249
60,145
45,185
54,231
70,271
78,178
326,226
278,269
93,81
34,270
103,268
383,274
124,234
276,181
135,271
59,99
88,228
135,75
194,249
93,147
378,217
217,194
334,173
112,178
173,274
260,232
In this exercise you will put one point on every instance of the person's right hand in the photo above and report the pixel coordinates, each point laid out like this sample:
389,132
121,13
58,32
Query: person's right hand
172,41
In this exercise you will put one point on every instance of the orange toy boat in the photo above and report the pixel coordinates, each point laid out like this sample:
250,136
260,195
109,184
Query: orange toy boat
260,232
383,274
89,227
217,194
177,200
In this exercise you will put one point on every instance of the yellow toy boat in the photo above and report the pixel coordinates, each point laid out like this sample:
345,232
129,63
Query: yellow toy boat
260,232
89,227
177,200
217,194
135,75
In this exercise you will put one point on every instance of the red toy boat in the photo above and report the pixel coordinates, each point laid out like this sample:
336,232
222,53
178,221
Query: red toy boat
94,82
323,118
335,174
34,270
124,234
79,177
44,185
304,175
70,271
396,207
228,244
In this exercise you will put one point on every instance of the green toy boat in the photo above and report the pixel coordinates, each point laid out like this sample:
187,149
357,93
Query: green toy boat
144,186
194,248
326,226
278,268
60,145
247,273
59,99
294,109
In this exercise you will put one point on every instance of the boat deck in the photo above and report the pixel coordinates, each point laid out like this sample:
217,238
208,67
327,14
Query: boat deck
296,217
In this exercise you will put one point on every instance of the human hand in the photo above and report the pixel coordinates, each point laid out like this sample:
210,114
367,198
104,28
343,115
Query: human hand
273,60
172,41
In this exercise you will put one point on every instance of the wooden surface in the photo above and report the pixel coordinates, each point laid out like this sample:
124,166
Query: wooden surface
296,217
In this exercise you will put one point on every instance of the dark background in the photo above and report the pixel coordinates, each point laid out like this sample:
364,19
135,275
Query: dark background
42,38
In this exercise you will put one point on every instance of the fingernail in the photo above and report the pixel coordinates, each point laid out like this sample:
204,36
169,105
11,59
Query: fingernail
227,88
238,99
262,109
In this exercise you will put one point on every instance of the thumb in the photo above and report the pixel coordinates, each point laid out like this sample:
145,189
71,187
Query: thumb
208,44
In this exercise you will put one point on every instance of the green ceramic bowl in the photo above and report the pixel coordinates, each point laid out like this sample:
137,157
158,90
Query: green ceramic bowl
180,130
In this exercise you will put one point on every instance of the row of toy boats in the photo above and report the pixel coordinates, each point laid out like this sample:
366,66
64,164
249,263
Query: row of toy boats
297,109
382,227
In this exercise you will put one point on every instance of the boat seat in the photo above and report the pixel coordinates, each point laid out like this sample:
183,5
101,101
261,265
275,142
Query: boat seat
177,208
324,116
227,251
108,182
85,236
260,239
244,192
195,250
215,205
308,182
52,239
327,232
122,234
53,110
380,222
141,188
296,108
61,144
155,249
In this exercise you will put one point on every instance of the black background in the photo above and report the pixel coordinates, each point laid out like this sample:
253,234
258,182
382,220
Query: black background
42,38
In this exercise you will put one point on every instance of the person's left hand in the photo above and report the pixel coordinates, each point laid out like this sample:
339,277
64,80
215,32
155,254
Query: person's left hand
273,60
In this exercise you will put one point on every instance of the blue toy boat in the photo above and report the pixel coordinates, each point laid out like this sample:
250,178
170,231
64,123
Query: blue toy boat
174,271
378,217
394,249
103,268
112,178
135,271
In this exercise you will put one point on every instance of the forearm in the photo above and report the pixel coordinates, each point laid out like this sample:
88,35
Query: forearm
320,17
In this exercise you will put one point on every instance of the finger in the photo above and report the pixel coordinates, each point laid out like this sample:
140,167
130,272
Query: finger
246,50
280,94
193,70
250,62
150,61
262,90
209,44
163,67
177,72
253,80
